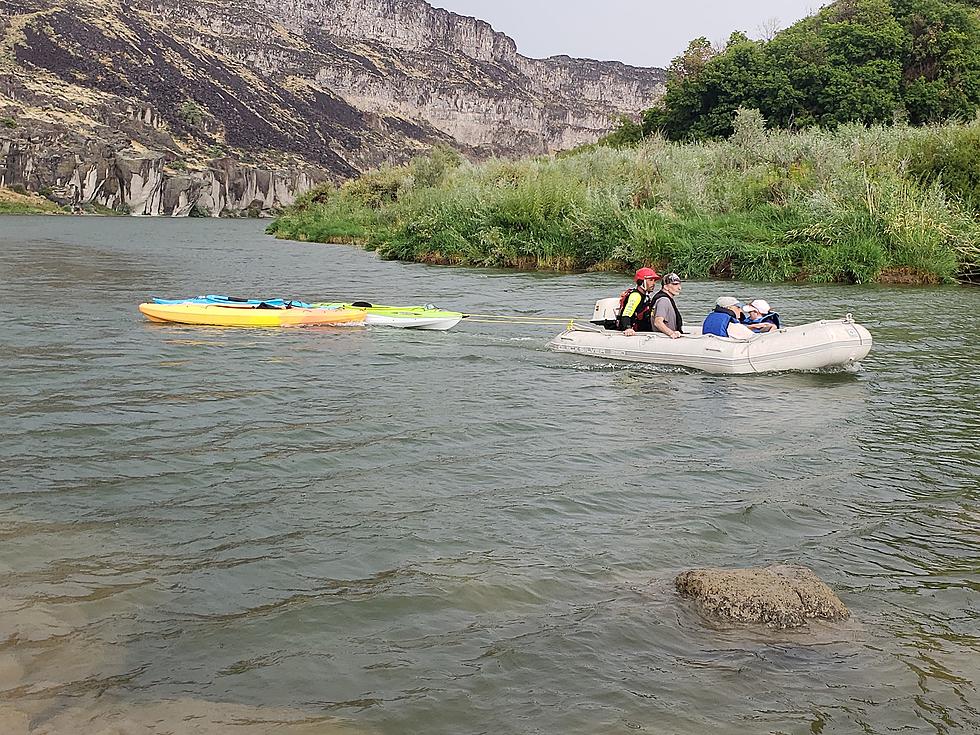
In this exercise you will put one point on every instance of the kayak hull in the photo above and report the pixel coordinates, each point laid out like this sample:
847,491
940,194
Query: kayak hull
247,315
837,343
404,317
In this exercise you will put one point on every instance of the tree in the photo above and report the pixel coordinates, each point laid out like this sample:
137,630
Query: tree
626,132
867,61
689,64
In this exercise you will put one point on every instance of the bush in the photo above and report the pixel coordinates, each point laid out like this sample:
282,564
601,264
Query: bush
949,155
765,205
431,170
377,189
191,113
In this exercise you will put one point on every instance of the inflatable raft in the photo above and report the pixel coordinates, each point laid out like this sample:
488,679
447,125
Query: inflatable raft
248,315
831,343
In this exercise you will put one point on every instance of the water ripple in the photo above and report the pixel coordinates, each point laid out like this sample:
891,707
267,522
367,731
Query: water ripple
459,532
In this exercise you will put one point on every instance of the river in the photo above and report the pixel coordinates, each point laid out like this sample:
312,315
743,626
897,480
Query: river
384,531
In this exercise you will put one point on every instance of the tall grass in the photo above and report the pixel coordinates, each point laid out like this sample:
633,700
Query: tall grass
857,205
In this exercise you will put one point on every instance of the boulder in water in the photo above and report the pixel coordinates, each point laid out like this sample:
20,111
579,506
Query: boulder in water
780,596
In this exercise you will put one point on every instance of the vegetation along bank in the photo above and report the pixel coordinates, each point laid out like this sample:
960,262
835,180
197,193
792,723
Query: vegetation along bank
857,204
851,171
20,201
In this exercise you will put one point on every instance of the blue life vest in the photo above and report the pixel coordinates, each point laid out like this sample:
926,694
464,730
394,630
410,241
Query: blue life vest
770,318
717,322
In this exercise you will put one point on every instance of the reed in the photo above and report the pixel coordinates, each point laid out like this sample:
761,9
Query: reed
855,205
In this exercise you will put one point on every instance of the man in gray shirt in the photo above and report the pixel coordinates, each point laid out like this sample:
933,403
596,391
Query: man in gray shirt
666,317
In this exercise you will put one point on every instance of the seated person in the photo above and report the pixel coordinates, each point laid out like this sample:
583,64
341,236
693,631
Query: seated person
666,316
766,315
753,319
635,313
725,320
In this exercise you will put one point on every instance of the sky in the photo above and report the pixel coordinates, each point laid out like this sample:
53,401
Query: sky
638,32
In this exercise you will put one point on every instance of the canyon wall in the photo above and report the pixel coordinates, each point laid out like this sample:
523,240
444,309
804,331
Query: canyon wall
213,106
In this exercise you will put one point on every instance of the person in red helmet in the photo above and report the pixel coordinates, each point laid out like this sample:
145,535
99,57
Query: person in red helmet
634,315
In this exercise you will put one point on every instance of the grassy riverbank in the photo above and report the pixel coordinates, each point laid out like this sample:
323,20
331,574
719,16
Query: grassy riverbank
14,202
894,204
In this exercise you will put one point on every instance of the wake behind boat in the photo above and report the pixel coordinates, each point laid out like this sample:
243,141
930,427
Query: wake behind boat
824,344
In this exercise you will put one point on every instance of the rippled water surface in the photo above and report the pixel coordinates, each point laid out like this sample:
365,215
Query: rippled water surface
386,531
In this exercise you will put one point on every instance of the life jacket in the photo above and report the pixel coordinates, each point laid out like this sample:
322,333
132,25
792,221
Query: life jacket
640,319
717,322
664,295
770,318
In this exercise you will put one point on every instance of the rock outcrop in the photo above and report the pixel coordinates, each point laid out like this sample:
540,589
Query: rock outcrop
174,106
781,596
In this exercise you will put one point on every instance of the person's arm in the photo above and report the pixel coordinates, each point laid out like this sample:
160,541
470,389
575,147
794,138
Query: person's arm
660,324
739,331
632,304
762,327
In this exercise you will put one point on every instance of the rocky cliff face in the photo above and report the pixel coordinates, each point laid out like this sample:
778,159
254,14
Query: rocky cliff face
217,106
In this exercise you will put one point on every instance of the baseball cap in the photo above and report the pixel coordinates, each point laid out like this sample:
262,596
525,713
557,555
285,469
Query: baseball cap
761,306
672,278
727,302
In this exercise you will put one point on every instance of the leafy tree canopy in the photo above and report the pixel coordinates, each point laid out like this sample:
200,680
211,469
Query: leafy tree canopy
866,61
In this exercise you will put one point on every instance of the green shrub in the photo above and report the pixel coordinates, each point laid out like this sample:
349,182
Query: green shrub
949,155
431,170
766,205
191,113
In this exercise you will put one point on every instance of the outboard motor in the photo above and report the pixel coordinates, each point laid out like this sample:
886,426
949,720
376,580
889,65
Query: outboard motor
606,313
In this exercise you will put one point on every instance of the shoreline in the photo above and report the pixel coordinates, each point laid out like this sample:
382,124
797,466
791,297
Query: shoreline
854,205
889,276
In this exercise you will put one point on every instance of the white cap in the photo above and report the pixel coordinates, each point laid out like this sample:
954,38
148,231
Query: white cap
761,306
727,302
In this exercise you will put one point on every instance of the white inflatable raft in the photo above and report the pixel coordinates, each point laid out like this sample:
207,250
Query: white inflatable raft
825,344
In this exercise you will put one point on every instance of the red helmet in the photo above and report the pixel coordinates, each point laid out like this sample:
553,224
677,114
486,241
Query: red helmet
646,273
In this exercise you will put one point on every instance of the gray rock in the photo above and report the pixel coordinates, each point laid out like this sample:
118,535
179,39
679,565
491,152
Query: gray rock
13,722
780,596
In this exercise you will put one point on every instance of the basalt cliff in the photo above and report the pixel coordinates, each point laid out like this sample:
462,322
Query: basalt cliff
180,107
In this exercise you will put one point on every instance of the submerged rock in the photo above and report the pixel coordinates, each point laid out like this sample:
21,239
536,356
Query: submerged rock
780,596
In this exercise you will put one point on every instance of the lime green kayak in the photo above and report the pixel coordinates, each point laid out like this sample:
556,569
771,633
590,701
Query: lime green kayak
407,317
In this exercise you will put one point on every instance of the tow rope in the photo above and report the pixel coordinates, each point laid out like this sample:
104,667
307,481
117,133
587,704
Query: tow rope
505,319
547,321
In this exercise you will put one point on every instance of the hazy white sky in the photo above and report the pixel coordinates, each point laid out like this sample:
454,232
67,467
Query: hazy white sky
639,32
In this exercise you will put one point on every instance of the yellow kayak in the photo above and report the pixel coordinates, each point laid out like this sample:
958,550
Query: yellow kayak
247,315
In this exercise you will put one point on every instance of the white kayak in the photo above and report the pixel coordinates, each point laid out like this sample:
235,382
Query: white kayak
829,343
406,317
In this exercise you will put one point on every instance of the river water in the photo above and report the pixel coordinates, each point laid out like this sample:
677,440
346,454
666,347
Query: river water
385,531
